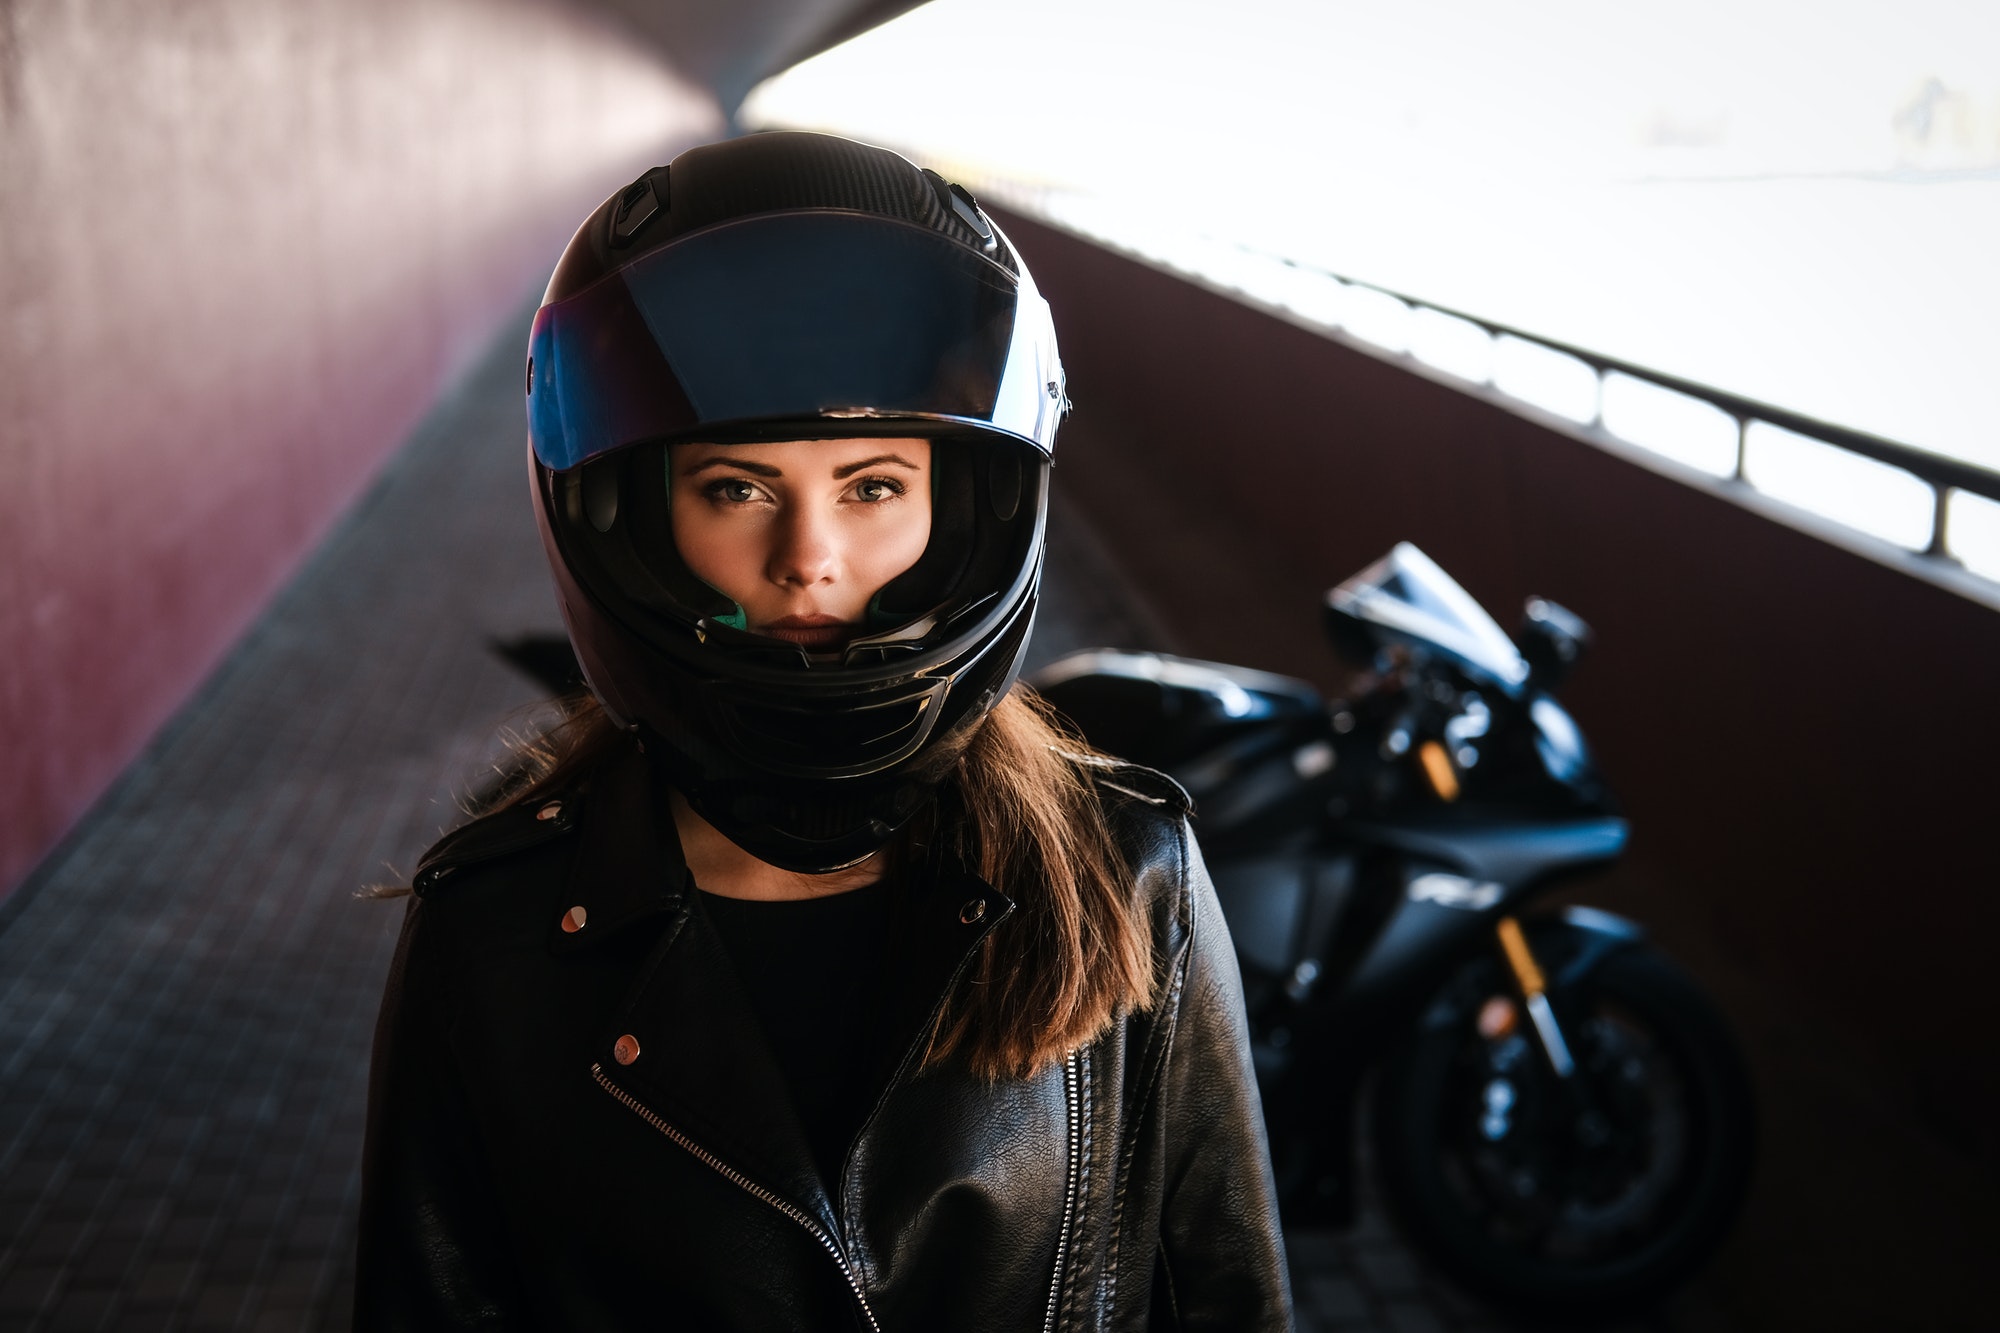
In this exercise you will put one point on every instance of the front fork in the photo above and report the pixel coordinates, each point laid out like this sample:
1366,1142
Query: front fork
1533,984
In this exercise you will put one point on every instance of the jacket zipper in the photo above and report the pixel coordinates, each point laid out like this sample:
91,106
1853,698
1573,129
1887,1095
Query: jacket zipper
1072,1099
753,1189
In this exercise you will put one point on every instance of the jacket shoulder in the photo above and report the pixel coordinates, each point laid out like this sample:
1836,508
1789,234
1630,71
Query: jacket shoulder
1123,782
1147,814
494,837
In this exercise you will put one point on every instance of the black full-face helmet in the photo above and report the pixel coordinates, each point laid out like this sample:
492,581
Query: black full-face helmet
794,287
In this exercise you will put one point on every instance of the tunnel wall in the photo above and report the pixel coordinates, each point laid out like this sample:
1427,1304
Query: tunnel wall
243,245
1802,737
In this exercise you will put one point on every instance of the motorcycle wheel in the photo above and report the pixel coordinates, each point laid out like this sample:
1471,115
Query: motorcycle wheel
1546,1203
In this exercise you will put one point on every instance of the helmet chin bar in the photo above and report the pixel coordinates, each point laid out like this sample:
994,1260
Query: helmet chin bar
818,825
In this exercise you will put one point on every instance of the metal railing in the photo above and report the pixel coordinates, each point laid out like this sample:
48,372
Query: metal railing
1943,475
1272,281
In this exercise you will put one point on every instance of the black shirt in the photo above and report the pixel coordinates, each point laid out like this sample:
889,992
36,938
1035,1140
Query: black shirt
813,970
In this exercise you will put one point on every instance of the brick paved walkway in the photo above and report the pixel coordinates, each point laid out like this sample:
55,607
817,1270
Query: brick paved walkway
188,986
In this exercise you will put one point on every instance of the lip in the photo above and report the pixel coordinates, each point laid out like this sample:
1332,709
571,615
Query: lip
814,633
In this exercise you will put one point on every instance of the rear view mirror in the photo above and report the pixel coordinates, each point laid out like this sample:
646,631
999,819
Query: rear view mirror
1553,639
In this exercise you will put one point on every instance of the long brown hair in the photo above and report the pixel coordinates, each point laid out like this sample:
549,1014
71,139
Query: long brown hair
1076,954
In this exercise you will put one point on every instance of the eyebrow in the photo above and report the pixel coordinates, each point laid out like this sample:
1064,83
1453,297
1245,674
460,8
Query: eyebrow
845,471
720,460
840,473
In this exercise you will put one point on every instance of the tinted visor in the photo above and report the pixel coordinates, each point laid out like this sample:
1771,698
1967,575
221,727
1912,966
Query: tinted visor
776,318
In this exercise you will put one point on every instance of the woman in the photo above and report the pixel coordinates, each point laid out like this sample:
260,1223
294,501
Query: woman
812,979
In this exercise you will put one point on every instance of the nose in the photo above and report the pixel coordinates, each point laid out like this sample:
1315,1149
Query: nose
806,550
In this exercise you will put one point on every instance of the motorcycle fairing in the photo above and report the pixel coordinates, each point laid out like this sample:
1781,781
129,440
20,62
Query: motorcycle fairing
1514,855
1160,710
1406,598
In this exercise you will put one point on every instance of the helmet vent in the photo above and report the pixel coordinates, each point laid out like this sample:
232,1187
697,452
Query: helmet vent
639,205
967,208
833,740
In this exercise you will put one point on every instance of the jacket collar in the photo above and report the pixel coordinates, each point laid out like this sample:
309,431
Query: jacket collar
629,866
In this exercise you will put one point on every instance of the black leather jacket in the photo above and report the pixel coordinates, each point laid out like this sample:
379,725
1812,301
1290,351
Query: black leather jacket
523,1172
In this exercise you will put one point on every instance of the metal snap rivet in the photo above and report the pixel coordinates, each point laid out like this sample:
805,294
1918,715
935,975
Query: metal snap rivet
575,919
626,1049
974,910
549,811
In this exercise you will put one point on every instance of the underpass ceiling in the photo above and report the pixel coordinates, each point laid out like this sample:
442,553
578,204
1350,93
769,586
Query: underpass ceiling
732,45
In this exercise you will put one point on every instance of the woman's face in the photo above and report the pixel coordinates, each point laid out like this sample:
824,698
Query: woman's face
802,533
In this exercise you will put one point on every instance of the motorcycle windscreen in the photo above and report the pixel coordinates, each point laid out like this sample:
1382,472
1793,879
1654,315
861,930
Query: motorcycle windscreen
789,317
1406,596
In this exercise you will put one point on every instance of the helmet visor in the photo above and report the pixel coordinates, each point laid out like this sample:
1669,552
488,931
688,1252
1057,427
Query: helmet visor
789,317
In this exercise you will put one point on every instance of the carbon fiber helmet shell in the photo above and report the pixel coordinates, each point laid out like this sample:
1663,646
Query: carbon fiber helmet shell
794,287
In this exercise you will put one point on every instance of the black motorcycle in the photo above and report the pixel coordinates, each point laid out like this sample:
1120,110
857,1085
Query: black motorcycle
1560,1119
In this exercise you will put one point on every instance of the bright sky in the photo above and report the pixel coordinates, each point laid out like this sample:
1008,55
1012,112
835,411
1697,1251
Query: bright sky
1799,201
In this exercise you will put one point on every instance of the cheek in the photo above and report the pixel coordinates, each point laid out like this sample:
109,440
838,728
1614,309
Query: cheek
900,544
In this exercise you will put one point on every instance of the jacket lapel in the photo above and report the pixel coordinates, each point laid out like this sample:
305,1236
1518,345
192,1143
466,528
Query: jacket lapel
687,1045
946,912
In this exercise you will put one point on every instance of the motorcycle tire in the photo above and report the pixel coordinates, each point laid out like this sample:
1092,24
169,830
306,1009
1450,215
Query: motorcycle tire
1541,1207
